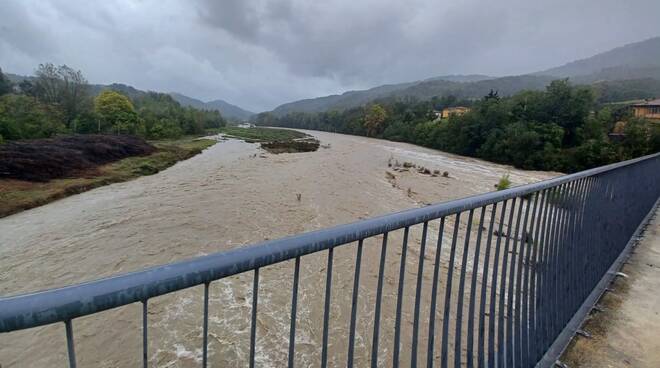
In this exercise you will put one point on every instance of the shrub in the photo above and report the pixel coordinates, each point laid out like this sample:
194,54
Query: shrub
504,183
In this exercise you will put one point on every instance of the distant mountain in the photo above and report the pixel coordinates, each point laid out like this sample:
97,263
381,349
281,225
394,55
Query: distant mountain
226,109
461,78
473,86
638,55
638,64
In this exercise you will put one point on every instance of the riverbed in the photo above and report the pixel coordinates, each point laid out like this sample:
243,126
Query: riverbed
231,195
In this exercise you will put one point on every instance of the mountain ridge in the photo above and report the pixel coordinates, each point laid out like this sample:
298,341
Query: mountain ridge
634,61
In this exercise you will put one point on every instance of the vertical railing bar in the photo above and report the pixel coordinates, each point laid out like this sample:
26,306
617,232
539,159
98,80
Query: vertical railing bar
253,325
552,258
501,344
473,286
399,299
326,310
591,193
527,329
573,256
559,249
522,292
549,298
145,358
565,258
493,289
461,292
206,326
418,295
354,303
586,233
294,305
379,296
513,272
540,274
517,302
434,295
450,274
484,285
582,237
70,348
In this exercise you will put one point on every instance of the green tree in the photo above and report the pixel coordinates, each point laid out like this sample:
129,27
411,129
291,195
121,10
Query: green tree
23,117
116,113
5,84
65,88
374,119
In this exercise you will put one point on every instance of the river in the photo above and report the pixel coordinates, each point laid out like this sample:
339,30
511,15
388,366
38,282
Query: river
231,195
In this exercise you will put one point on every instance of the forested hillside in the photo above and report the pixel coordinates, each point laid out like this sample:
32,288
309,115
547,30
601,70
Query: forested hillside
561,127
636,66
59,100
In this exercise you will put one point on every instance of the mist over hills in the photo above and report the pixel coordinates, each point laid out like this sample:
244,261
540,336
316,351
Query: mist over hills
637,63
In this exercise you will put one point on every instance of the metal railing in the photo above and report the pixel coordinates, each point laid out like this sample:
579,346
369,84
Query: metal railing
525,266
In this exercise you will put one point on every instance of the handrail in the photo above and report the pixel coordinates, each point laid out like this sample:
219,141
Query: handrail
65,303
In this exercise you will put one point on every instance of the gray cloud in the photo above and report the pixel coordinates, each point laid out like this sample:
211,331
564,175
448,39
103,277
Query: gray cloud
260,53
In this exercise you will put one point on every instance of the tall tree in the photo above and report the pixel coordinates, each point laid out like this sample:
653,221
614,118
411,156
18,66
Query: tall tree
64,87
374,119
116,112
5,84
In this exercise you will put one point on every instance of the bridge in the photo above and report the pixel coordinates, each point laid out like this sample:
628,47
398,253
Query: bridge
511,274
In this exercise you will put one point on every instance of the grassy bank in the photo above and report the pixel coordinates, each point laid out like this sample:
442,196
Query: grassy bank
19,195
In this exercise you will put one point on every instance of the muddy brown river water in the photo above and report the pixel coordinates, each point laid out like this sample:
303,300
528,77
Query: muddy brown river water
231,195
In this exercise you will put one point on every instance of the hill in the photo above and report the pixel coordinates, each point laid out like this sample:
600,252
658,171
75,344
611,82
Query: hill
227,110
635,68
638,55
462,87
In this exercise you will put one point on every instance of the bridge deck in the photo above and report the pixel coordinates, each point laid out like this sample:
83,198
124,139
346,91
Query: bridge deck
627,332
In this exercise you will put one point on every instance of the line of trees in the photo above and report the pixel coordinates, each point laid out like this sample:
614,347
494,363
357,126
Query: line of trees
59,100
560,129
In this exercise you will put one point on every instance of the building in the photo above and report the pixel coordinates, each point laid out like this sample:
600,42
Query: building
648,110
457,110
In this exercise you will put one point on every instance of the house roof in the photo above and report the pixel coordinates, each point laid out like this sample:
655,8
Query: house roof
655,102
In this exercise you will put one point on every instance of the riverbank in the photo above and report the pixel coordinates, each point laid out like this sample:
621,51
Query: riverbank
18,195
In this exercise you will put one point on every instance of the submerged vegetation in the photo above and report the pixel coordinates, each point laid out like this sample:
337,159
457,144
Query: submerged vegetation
273,140
562,128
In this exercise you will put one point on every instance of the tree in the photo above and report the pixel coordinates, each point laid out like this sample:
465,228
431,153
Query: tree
116,113
23,117
5,84
374,119
64,87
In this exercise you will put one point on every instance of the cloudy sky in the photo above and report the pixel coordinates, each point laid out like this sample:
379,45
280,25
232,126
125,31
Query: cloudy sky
261,53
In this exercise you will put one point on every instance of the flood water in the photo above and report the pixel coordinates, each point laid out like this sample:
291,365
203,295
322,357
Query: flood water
231,195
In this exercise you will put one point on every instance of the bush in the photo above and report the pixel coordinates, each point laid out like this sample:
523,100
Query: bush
504,183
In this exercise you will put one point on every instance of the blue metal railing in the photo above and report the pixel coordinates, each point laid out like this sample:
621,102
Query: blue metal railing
534,258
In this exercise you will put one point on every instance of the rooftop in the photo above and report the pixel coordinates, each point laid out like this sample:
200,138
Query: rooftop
655,102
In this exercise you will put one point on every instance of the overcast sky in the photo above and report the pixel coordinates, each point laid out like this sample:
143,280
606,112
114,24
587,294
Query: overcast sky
261,53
